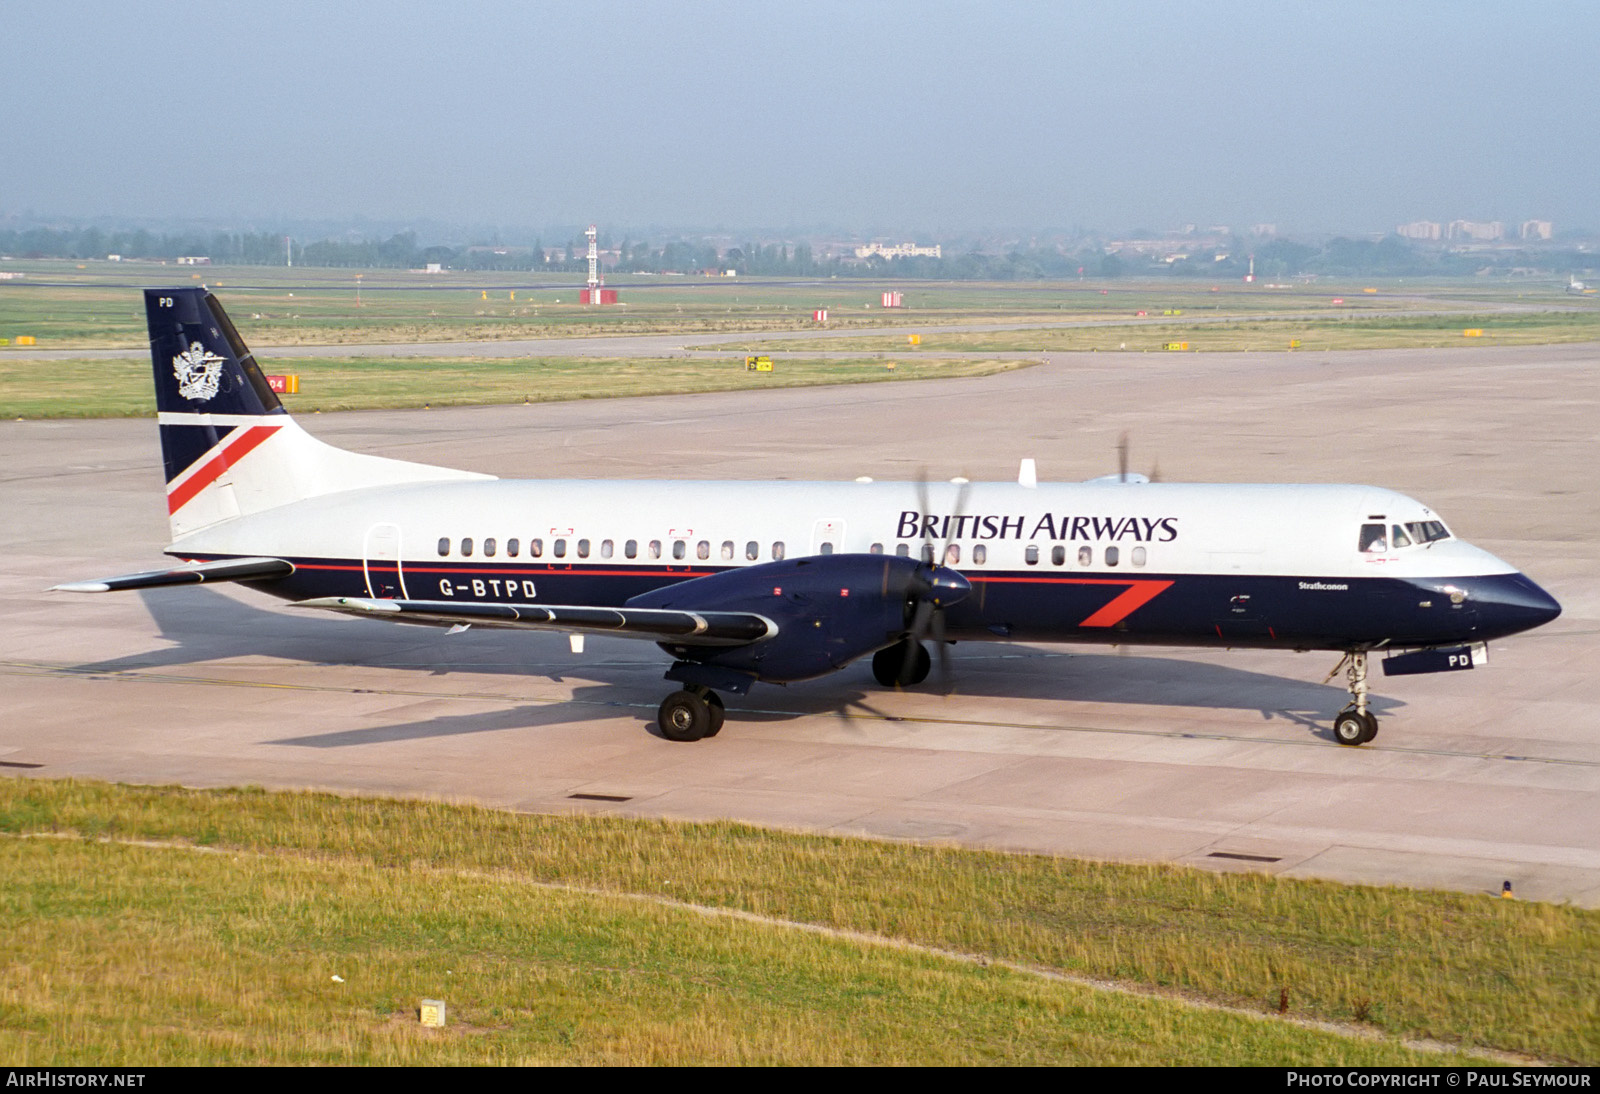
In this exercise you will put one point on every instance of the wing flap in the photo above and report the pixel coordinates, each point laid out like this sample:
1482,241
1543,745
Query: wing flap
655,624
190,573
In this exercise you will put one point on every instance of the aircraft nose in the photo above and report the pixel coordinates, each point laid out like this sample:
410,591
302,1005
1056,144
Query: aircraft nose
1511,603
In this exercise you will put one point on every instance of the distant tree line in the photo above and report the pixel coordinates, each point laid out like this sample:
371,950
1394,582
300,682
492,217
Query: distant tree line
242,248
1391,256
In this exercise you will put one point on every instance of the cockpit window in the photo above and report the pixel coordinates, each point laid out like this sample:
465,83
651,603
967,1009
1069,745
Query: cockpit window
1399,537
1428,531
1373,539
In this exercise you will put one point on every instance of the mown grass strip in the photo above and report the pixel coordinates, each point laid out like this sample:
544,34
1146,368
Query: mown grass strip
1459,968
232,958
87,388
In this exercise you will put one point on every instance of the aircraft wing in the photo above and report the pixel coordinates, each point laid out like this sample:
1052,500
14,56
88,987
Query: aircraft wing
655,624
190,573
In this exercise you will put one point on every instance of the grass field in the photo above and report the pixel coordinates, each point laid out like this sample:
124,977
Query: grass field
149,925
99,305
1235,336
89,388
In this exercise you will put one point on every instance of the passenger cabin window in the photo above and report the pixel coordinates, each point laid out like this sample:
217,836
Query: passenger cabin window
444,546
1373,539
680,548
605,548
1058,556
535,548
752,550
1085,556
583,548
875,549
927,552
952,555
777,554
1113,556
512,547
488,547
903,550
980,554
1138,556
466,548
559,548
655,548
827,549
1030,556
727,549
702,550
631,548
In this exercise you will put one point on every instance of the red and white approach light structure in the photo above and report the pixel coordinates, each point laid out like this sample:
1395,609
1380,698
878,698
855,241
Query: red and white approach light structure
596,293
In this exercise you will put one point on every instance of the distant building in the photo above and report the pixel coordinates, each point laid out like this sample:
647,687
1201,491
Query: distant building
193,260
1471,229
1535,229
1419,229
899,250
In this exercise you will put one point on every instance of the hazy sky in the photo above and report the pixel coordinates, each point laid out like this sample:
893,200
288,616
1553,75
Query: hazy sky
911,118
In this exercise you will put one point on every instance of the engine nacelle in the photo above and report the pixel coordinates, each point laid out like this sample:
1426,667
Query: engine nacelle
830,610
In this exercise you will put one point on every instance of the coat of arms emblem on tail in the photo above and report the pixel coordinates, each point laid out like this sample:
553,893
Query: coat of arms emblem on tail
198,371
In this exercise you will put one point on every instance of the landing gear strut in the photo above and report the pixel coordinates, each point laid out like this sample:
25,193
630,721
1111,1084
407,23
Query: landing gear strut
890,664
692,714
1355,725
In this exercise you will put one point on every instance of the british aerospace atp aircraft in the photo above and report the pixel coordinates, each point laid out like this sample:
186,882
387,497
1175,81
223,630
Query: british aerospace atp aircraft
744,583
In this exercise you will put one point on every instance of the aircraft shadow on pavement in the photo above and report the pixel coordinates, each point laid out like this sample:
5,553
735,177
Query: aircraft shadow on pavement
589,703
204,625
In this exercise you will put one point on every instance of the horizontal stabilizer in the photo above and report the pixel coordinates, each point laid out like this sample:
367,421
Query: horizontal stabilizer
655,624
190,573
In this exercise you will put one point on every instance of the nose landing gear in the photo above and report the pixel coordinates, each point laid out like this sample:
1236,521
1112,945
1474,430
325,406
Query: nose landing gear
1355,725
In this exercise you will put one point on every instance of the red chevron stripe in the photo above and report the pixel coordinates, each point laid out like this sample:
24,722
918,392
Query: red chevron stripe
231,452
1140,591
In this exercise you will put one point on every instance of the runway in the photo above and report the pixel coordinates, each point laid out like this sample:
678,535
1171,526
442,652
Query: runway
1216,759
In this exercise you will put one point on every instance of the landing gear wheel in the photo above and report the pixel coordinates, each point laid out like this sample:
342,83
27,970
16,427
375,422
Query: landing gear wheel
1354,727
685,716
717,711
890,662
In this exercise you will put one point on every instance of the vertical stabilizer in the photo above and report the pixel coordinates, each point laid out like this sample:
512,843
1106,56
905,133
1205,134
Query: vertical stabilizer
228,445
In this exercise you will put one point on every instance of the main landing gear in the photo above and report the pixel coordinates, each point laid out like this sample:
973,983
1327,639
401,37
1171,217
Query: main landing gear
694,713
1355,725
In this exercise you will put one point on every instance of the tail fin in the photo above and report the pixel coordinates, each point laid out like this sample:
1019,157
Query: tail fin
229,446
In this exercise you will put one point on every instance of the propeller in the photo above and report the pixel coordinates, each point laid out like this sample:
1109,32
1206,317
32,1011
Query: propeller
934,586
1122,462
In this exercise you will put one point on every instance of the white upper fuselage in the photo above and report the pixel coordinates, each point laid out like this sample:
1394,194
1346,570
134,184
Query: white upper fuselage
1169,528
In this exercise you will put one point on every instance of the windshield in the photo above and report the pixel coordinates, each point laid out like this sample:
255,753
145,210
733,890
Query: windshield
1427,531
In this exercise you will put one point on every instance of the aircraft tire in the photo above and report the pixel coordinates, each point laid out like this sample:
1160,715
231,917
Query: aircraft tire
717,711
1351,727
684,716
889,662
1372,727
